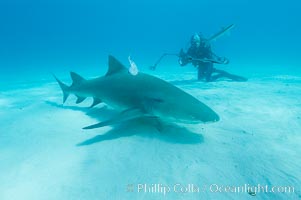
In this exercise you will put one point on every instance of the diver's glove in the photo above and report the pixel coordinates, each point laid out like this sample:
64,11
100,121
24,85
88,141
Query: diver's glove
226,61
223,60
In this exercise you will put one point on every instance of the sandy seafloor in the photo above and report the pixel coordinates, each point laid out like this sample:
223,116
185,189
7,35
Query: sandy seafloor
257,141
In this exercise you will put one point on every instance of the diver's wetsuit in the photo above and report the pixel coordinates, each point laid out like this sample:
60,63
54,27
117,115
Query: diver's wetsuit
205,69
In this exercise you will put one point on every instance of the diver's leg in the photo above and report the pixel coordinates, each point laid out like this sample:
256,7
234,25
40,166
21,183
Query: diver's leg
201,71
222,73
209,71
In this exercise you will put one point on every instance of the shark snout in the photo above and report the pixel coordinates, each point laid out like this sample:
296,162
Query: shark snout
206,118
212,117
200,118
215,118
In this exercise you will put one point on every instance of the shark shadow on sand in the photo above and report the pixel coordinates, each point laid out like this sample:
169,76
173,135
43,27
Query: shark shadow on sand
142,127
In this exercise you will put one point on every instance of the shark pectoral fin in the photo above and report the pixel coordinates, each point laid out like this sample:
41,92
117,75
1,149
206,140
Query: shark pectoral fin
80,99
125,115
98,125
95,102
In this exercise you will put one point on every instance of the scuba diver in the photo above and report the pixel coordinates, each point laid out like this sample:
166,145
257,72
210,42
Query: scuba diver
200,55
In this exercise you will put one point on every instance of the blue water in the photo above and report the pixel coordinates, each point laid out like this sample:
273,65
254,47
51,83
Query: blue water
38,38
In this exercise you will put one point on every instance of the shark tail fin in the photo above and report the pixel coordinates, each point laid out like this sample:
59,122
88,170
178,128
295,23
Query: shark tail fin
64,88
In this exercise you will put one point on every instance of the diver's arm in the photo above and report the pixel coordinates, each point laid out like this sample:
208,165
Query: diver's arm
219,60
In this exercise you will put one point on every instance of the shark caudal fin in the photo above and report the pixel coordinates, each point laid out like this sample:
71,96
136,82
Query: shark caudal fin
64,88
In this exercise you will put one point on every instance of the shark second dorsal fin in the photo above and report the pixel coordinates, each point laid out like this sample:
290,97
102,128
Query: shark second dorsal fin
77,79
114,66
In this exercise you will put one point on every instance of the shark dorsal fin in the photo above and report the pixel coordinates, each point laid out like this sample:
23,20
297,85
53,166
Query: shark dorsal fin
77,79
114,66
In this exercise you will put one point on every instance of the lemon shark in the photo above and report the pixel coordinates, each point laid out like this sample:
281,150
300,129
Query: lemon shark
137,96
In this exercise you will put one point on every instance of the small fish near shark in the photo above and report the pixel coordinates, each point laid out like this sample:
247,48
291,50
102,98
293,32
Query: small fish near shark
137,96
